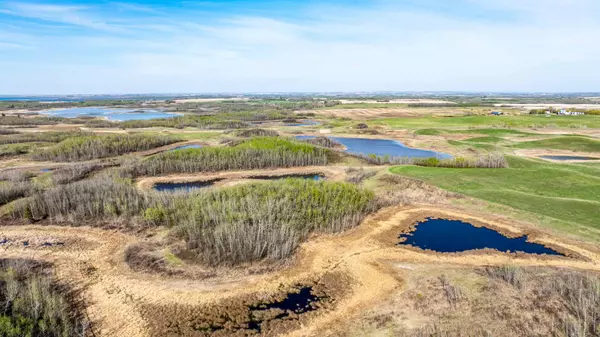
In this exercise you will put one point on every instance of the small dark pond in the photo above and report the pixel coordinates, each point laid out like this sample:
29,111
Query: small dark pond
253,318
183,187
191,146
300,176
452,236
297,303
569,158
383,147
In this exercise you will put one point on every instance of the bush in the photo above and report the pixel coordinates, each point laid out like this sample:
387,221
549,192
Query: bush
93,147
256,133
14,149
34,305
256,153
11,191
44,137
323,142
96,199
73,173
268,220
490,160
144,258
15,175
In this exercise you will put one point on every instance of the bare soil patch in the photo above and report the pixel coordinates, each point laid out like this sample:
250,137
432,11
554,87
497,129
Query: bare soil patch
123,302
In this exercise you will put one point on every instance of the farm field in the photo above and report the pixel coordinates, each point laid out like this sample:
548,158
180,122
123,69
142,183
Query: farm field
221,221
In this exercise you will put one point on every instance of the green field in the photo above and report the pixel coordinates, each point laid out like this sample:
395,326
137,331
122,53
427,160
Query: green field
568,195
571,143
522,121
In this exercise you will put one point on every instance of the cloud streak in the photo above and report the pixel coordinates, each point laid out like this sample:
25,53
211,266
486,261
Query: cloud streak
491,45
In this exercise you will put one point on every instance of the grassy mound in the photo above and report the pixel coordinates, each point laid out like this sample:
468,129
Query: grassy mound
255,153
268,220
93,147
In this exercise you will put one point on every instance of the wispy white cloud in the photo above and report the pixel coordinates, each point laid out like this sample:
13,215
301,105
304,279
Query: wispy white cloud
65,14
530,45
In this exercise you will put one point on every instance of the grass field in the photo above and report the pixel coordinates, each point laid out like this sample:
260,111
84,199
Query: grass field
522,121
499,132
567,193
571,143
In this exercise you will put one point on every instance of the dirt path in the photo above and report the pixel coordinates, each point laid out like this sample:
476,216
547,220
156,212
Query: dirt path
365,255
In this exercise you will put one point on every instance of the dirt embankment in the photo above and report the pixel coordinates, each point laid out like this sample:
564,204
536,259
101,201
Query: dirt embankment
122,302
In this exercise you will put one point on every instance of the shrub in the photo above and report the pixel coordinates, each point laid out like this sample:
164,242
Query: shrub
5,131
96,199
14,149
268,220
15,175
255,153
45,137
356,176
34,305
73,173
323,142
257,133
489,160
93,147
10,191
142,257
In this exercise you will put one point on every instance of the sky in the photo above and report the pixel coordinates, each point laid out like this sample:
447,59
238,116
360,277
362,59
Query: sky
118,47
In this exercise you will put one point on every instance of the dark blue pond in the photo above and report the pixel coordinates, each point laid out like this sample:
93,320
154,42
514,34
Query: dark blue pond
295,303
110,113
183,187
569,158
191,146
453,236
383,147
300,176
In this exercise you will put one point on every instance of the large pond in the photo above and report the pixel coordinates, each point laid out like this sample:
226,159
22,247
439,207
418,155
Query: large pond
113,114
383,147
569,158
453,236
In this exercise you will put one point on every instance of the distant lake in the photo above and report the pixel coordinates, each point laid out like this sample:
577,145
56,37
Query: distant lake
113,114
384,147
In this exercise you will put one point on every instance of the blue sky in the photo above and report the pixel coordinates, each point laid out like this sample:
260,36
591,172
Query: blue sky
68,47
